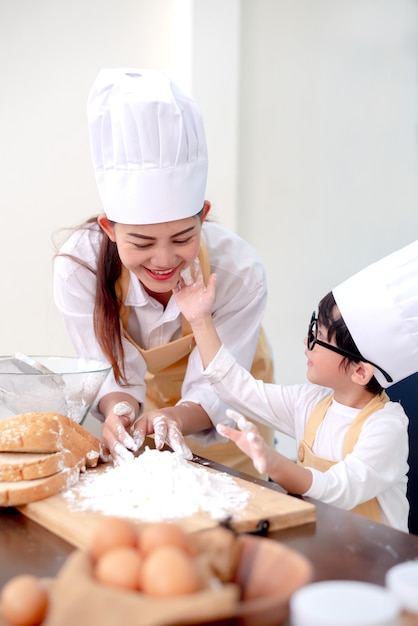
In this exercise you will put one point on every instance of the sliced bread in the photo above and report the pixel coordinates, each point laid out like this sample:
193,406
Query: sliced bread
31,465
17,493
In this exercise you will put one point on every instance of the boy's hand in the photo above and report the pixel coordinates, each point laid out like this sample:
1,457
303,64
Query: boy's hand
194,299
248,439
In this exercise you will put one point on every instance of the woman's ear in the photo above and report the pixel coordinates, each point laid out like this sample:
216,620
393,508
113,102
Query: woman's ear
362,373
206,209
106,226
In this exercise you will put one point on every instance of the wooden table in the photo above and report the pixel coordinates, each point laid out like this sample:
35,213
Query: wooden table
340,545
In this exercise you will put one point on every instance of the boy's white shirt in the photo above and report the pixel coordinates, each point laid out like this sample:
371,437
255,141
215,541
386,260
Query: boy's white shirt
376,467
240,304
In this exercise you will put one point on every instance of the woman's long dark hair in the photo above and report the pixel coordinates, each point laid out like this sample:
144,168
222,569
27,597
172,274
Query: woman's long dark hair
337,329
106,321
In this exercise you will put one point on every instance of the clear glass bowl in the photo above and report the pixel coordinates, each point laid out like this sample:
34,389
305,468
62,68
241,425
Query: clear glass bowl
66,385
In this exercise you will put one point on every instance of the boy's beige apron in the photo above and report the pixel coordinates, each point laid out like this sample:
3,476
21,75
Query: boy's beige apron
306,457
166,365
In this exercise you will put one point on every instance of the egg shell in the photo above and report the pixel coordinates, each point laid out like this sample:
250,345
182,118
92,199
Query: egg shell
168,571
120,567
24,601
110,533
162,534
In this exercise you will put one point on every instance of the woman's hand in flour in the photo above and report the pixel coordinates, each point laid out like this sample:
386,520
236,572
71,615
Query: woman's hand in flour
194,299
119,419
248,439
164,425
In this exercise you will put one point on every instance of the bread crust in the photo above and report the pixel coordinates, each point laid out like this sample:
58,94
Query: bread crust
21,492
42,454
32,465
48,432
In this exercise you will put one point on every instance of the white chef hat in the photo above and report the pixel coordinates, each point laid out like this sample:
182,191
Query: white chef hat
148,147
379,306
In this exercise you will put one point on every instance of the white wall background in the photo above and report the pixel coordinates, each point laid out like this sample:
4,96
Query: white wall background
311,112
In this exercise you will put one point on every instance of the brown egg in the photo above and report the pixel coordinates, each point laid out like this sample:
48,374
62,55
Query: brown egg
113,532
24,601
164,534
120,567
169,571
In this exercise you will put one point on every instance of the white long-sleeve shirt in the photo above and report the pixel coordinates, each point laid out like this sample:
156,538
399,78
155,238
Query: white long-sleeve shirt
377,465
241,296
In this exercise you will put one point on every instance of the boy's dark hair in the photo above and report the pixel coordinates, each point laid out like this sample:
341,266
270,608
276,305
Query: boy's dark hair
337,329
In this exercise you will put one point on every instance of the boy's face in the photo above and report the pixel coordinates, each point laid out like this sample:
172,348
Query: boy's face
319,337
324,362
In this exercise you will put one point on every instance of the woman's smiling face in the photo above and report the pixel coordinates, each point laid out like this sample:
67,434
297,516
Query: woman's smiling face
157,253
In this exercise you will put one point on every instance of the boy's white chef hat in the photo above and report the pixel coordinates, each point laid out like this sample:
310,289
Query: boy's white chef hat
148,147
379,306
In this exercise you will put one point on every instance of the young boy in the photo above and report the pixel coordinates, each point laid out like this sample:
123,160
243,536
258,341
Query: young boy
352,441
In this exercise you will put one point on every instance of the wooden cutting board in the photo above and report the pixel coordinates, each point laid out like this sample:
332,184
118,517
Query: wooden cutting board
77,527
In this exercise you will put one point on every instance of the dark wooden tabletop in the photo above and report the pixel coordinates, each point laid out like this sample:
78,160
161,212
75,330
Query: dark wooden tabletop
340,545
343,545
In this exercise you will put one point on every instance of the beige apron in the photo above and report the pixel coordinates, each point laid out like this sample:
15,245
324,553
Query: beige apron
306,457
167,363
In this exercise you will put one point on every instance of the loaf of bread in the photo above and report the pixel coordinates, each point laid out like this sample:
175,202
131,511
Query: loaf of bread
48,432
41,454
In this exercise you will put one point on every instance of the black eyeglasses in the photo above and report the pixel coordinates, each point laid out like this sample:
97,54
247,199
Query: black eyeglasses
312,339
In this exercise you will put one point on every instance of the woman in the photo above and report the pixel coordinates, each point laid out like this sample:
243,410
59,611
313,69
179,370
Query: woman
114,277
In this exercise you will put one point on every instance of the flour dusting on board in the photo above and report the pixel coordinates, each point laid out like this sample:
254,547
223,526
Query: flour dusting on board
158,486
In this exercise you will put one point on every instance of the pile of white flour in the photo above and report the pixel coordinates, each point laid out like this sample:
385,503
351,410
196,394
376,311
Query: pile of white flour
157,486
